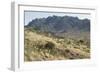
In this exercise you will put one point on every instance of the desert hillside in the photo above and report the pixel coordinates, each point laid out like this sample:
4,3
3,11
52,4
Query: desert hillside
40,47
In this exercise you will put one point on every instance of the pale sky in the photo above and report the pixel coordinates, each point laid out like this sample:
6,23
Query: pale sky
30,15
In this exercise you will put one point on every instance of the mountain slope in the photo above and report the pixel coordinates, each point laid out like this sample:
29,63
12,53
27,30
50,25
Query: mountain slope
59,24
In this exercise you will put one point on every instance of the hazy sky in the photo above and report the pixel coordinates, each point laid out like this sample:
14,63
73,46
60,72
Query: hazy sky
30,15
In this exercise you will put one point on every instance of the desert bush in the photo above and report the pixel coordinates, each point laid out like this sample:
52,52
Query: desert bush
49,45
79,42
67,51
69,42
40,46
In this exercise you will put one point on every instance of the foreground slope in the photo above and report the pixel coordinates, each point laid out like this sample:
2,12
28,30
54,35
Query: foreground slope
40,47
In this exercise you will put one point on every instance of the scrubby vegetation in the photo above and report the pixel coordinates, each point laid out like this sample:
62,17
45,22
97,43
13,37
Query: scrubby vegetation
41,47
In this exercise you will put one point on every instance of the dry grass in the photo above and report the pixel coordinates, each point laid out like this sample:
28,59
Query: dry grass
40,47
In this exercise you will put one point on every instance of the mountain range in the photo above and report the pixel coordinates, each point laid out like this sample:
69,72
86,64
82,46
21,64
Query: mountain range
60,24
